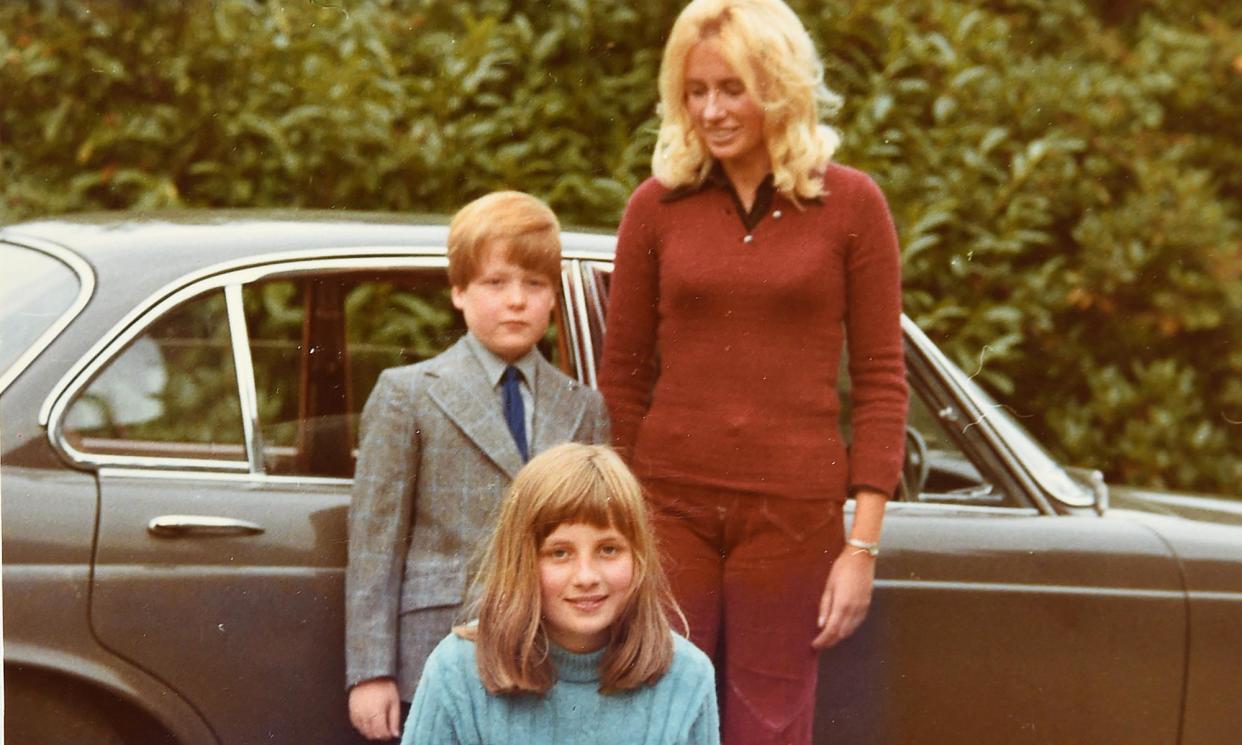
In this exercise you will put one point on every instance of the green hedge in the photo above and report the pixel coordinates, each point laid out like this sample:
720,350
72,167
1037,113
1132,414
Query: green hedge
1066,174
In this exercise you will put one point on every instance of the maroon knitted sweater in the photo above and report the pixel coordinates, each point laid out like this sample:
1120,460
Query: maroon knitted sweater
721,357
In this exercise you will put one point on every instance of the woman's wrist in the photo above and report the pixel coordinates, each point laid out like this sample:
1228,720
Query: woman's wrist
859,547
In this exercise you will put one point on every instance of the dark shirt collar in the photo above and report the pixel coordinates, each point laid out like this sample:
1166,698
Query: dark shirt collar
717,179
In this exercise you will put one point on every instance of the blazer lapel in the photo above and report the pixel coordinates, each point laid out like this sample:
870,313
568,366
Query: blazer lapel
461,390
557,412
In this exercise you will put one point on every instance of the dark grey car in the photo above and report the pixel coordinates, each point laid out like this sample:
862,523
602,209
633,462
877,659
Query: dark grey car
179,398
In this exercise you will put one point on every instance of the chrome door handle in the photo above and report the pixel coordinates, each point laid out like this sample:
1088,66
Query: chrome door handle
176,526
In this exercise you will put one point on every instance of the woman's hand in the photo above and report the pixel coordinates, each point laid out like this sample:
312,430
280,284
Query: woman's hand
847,593
846,598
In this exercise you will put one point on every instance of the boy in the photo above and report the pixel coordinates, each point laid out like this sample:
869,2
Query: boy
442,439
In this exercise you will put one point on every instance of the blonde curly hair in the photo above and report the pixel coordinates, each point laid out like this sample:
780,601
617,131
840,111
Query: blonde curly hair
770,51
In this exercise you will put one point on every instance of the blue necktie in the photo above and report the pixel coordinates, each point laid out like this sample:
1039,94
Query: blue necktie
515,410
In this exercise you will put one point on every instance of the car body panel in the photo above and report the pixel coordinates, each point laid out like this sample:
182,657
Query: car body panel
989,625
49,519
1205,534
272,600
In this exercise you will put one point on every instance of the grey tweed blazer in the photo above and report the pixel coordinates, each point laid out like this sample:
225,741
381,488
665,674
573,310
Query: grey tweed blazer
434,459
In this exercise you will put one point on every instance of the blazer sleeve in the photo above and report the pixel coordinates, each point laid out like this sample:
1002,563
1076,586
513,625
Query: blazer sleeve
873,332
629,367
601,427
380,513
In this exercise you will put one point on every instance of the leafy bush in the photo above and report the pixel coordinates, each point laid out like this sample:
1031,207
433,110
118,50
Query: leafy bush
1066,174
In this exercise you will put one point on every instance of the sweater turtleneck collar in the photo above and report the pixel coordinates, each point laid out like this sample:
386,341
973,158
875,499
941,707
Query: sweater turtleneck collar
577,668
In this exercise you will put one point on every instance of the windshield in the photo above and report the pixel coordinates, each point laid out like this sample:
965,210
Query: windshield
40,293
1026,449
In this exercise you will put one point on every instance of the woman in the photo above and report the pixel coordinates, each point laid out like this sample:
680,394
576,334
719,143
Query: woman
742,267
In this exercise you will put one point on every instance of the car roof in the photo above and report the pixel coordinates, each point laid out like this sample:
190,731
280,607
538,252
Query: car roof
171,243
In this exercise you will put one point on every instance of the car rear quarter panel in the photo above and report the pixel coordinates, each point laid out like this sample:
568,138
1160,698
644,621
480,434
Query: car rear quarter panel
1210,557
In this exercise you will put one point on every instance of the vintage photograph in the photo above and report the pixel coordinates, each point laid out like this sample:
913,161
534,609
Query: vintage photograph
756,372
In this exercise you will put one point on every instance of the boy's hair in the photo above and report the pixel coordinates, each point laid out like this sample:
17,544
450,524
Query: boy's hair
529,230
771,51
570,483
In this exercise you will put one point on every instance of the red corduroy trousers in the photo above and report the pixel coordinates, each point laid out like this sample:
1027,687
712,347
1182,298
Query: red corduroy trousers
748,571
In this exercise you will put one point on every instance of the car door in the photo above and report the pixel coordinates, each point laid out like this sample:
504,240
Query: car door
996,618
223,424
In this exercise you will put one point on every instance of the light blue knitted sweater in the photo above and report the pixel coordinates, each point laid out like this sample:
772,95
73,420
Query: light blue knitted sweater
451,706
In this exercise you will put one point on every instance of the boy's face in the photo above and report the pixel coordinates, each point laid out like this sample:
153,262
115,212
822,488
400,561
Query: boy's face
506,307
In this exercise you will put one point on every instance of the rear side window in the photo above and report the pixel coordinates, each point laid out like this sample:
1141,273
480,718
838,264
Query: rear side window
38,289
172,393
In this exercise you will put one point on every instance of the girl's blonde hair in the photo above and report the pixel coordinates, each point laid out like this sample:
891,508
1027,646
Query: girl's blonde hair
770,50
570,483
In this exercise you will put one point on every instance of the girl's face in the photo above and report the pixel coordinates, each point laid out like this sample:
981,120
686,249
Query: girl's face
724,114
585,578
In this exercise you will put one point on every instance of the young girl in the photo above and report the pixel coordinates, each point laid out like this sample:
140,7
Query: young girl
572,644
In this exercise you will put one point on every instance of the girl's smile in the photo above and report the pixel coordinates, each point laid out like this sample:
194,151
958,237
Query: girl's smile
585,578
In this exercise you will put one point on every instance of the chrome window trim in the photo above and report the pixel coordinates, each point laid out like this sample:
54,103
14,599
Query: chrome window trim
938,509
1215,596
86,290
268,479
238,273
243,368
104,352
1034,486
594,295
584,323
381,257
569,312
182,465
1033,588
591,304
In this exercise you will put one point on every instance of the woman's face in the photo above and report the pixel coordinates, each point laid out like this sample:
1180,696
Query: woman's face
585,578
725,116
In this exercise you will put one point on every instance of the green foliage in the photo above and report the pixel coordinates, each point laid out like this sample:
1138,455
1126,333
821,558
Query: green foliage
1068,194
371,105
1066,174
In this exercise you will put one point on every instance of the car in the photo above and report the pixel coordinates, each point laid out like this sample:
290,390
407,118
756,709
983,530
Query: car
180,393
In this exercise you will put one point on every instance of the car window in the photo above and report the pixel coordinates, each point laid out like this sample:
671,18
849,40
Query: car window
318,344
937,469
37,289
171,393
